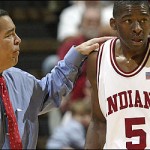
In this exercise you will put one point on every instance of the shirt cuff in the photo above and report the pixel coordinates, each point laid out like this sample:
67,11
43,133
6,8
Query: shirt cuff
74,57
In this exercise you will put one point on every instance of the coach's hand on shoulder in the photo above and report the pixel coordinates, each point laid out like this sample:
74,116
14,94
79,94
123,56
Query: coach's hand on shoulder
87,47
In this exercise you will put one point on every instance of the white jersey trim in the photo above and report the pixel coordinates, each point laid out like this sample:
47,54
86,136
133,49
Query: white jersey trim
119,70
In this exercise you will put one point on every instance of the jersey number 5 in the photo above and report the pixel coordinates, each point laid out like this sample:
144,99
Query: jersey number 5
129,122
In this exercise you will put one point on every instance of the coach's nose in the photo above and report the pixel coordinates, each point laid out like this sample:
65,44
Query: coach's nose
17,40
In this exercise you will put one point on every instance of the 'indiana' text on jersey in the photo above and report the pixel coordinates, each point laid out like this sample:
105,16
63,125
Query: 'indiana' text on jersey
125,99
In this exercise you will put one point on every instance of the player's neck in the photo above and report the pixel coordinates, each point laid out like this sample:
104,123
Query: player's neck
130,55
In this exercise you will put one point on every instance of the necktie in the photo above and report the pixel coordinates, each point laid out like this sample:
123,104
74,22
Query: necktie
13,132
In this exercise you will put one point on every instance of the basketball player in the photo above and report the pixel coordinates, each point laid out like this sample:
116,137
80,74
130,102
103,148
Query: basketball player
120,77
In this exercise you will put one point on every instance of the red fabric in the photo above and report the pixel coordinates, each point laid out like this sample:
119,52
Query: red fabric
78,90
14,137
65,46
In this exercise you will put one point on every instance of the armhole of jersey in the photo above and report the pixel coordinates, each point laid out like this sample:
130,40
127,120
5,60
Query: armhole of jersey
98,62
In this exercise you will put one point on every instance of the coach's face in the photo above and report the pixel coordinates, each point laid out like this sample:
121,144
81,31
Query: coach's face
9,43
133,26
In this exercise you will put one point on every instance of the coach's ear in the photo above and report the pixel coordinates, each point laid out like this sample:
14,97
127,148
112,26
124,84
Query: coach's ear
113,24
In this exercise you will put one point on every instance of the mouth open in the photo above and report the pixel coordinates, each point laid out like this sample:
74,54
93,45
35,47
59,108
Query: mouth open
137,41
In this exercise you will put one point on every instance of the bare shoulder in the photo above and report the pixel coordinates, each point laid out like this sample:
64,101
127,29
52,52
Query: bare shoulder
91,65
93,56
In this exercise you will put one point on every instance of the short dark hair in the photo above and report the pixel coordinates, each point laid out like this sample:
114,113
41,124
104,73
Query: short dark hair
120,3
3,13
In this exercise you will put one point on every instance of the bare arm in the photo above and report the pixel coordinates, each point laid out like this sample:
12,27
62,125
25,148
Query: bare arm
95,138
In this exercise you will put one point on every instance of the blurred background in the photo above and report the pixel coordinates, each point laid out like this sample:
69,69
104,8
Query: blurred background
48,29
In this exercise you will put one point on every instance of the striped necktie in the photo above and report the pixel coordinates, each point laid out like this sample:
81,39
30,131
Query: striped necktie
13,132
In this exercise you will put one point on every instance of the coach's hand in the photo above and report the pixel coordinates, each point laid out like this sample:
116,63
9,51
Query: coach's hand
87,47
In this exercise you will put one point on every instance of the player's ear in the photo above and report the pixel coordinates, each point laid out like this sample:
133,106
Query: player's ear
113,24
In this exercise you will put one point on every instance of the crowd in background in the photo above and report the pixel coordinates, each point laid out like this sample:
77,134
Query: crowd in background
69,23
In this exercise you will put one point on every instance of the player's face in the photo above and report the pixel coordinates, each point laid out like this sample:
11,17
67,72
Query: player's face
9,43
133,26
